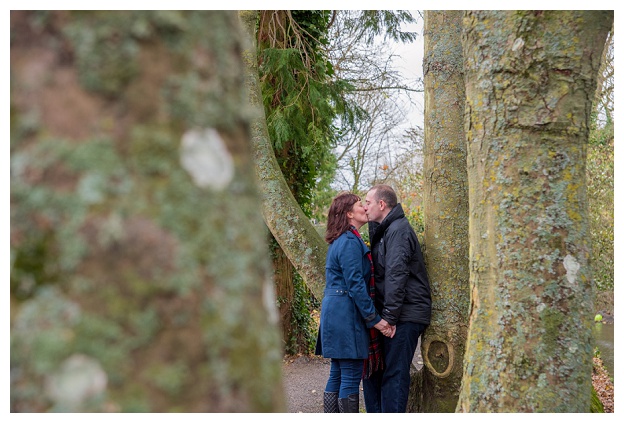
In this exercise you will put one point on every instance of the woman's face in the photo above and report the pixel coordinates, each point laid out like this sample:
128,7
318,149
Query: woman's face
357,215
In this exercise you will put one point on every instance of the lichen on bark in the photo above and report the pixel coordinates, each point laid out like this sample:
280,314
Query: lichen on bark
530,79
157,278
445,199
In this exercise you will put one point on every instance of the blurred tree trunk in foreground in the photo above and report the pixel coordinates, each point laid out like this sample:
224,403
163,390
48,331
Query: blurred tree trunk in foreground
445,196
140,276
530,82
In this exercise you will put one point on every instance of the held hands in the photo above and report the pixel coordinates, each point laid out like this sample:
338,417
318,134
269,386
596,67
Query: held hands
385,328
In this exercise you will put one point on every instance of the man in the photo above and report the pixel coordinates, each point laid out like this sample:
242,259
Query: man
402,297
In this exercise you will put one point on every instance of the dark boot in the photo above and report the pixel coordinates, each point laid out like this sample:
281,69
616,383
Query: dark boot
351,404
330,402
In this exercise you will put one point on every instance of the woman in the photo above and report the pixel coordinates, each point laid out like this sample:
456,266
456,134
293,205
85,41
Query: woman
348,314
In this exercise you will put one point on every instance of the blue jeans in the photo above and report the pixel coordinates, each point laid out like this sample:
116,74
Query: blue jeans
386,391
344,377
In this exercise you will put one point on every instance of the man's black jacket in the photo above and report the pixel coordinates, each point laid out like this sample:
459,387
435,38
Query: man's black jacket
402,291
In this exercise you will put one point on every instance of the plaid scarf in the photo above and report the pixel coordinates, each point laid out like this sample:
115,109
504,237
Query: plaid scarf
374,361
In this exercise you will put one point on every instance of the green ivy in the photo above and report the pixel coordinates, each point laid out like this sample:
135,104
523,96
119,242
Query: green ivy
303,337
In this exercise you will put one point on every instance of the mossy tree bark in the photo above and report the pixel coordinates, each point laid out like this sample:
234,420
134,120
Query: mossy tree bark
289,225
530,81
132,177
445,198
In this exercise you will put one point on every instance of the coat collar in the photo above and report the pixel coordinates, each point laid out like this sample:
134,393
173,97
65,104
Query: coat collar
376,231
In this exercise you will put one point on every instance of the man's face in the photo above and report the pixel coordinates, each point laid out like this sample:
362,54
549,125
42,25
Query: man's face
373,207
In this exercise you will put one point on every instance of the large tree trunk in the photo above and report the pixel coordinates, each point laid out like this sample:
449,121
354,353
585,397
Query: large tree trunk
445,199
289,225
530,81
132,181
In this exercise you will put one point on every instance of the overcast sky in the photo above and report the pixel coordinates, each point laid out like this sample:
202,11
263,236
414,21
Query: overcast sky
410,65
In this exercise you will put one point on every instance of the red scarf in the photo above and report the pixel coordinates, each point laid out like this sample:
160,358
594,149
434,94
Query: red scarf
374,361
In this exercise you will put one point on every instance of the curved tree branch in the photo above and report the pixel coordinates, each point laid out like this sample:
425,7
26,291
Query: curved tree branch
302,244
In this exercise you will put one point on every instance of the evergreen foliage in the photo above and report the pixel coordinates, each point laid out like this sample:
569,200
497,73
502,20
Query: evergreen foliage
300,100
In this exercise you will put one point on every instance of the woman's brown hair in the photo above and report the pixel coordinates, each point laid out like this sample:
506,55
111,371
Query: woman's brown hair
337,220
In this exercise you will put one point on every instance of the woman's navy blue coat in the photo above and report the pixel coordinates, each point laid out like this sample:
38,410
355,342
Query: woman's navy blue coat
347,309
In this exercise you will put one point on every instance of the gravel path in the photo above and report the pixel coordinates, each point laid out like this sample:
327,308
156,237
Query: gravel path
304,382
305,378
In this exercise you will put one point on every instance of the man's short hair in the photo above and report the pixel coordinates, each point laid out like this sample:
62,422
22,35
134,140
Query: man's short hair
385,193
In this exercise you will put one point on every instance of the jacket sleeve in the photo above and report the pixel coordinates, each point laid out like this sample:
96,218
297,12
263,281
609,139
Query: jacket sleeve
351,264
398,254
